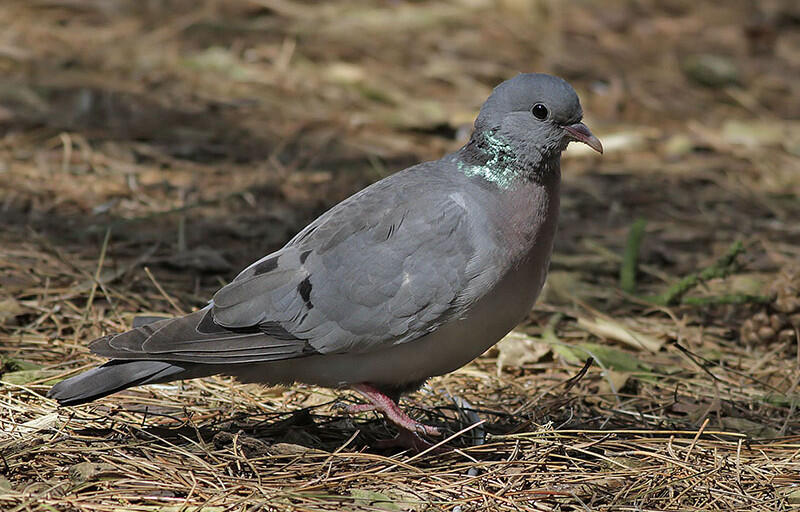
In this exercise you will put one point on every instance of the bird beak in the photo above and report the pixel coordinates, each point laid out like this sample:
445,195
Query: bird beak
581,133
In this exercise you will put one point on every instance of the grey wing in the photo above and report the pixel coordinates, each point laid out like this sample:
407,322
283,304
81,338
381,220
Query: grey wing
369,273
196,338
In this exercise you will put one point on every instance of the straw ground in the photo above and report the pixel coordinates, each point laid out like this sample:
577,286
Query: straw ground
151,149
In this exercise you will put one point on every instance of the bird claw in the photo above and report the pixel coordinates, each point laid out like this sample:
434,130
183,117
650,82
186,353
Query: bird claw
421,429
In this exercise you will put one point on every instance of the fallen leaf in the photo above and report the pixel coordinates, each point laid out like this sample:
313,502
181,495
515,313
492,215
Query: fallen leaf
613,381
569,354
563,287
603,327
518,349
609,358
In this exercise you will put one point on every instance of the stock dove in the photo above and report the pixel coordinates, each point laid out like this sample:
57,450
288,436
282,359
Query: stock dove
413,276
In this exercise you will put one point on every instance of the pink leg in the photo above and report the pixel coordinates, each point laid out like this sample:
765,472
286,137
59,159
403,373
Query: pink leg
392,411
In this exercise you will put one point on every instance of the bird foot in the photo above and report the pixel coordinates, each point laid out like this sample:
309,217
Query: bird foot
382,403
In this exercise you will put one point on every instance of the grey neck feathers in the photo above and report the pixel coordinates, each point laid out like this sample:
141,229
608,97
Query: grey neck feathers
489,156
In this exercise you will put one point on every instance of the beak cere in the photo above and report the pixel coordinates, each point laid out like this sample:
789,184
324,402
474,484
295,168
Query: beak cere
581,133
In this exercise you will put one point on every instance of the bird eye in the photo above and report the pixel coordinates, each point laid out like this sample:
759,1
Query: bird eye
539,111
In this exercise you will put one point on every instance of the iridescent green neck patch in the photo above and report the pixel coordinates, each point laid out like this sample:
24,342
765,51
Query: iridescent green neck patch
492,159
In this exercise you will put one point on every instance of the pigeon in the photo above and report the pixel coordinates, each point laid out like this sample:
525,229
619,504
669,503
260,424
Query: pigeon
414,276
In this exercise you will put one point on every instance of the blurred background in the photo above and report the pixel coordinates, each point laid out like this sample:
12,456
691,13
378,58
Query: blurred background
239,121
149,149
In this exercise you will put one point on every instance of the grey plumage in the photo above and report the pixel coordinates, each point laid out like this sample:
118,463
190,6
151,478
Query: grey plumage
411,277
118,375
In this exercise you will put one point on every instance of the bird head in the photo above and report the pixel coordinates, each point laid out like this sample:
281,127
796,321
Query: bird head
537,115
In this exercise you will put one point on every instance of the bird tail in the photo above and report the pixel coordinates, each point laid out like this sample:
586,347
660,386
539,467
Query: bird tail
115,376
120,374
161,350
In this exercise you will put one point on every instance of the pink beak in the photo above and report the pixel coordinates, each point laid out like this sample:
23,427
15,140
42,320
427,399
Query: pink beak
581,133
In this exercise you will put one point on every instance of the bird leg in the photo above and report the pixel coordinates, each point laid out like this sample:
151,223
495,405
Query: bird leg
404,439
384,404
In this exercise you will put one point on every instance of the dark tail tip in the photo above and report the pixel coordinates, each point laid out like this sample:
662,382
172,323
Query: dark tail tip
112,377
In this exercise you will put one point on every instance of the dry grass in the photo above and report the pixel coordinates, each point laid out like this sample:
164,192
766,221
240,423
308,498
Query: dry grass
151,149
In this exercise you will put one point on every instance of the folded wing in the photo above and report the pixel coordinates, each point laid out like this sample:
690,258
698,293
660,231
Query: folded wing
371,272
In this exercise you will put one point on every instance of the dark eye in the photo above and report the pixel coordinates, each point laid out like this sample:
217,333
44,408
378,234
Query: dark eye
539,111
